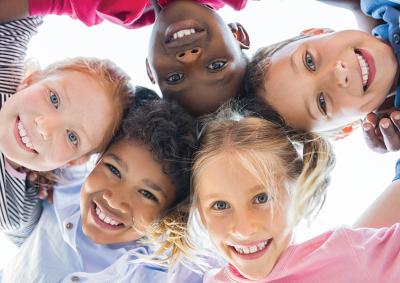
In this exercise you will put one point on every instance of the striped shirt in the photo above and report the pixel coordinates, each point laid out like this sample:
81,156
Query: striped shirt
20,208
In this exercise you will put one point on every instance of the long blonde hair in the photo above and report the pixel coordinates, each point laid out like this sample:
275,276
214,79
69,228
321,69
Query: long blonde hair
266,147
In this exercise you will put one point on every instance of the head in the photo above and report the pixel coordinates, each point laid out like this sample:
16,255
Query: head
142,176
63,113
271,186
195,58
323,82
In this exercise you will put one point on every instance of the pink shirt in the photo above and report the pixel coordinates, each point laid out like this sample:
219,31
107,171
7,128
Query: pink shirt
128,13
340,256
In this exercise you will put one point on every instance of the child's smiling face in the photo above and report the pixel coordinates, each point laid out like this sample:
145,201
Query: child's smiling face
55,120
237,212
194,56
124,194
324,82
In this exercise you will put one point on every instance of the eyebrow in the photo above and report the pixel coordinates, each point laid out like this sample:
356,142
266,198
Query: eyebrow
155,187
293,63
252,190
119,161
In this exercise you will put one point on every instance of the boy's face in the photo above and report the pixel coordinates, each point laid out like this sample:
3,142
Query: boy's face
124,194
326,81
240,220
54,120
194,57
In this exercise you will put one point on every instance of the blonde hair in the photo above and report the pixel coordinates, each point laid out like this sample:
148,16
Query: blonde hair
271,151
110,77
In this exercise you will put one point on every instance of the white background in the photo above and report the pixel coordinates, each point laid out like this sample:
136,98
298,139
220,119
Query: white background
360,174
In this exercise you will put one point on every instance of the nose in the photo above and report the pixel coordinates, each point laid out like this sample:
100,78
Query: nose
244,225
341,74
189,56
45,126
116,200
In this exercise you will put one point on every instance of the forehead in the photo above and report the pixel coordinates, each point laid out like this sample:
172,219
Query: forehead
85,106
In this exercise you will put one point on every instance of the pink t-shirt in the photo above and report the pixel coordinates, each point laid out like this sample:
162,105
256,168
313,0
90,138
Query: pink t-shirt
339,256
128,13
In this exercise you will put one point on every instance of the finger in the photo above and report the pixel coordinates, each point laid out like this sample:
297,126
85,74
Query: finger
372,139
390,136
395,116
32,177
372,118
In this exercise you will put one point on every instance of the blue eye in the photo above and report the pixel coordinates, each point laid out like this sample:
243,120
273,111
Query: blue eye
148,195
309,62
216,66
72,137
54,99
220,205
322,104
113,170
175,78
261,198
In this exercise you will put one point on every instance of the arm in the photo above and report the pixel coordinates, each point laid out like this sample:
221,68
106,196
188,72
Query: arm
385,210
13,9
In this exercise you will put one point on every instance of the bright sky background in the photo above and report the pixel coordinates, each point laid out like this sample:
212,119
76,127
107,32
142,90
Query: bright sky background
360,174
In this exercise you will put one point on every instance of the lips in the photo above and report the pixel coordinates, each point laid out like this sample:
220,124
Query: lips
105,219
22,137
183,33
367,67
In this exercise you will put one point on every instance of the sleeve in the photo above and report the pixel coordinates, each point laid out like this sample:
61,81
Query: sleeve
129,14
378,251
20,208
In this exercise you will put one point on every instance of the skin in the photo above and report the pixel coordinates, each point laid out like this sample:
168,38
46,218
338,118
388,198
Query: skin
202,70
130,186
241,215
57,119
329,78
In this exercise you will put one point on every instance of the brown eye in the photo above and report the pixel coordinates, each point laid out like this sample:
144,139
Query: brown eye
175,78
216,66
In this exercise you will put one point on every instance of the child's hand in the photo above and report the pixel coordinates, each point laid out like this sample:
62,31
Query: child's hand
42,184
382,134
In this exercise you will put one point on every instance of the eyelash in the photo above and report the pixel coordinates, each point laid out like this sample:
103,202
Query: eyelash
72,138
322,103
113,170
268,198
309,62
214,205
175,78
221,64
53,94
148,195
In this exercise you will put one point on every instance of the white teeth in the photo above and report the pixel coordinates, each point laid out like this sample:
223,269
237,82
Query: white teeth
364,69
25,139
184,32
105,218
251,249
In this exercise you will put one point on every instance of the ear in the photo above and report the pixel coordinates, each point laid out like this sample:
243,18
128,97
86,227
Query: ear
240,34
316,31
79,161
27,81
149,73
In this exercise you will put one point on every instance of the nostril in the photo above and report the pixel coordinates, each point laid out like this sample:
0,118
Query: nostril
194,51
181,55
346,80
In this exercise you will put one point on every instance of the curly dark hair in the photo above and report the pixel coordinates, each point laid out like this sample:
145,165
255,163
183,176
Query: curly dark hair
170,133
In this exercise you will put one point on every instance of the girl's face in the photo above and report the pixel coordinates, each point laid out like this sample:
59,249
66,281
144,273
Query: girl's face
237,213
124,194
55,120
324,82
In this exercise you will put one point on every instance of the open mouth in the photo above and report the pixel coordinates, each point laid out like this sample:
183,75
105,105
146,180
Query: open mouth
104,219
22,136
251,251
183,33
367,67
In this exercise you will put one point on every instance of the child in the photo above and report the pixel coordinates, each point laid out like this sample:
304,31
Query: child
140,179
56,116
195,58
276,178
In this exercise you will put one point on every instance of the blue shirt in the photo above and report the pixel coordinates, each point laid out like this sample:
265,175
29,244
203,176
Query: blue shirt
388,11
58,251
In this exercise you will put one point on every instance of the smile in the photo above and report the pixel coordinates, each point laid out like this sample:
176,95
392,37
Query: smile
251,251
183,33
104,219
22,137
367,67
